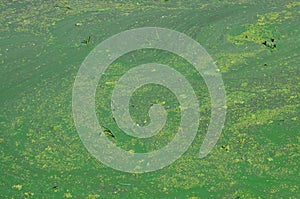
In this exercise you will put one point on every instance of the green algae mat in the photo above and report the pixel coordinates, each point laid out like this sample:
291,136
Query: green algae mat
255,46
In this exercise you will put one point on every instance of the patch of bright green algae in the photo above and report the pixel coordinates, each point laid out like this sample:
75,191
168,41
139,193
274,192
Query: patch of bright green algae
266,26
263,29
256,155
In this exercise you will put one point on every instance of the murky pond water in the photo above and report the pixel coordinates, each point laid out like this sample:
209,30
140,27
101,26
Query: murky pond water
255,47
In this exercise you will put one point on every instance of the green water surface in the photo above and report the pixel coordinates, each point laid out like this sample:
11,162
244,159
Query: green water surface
41,50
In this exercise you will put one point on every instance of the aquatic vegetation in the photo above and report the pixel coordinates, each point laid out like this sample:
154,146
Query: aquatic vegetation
87,40
257,155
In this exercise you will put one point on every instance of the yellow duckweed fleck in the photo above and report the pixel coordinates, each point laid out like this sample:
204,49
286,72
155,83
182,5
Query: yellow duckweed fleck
162,103
242,140
111,83
17,186
270,159
93,196
28,194
225,147
131,151
67,195
1,140
48,148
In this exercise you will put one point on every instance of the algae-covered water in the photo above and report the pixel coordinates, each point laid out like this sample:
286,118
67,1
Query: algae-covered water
42,46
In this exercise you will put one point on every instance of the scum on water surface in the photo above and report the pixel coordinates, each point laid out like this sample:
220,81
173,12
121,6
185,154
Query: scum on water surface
41,51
